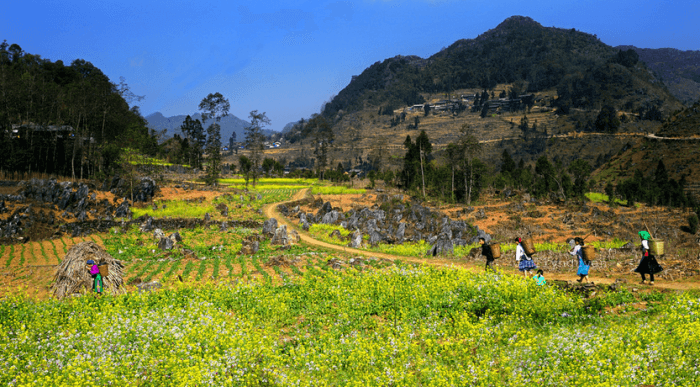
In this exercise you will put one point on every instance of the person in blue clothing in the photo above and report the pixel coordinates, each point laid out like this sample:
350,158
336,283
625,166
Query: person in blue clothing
539,278
583,264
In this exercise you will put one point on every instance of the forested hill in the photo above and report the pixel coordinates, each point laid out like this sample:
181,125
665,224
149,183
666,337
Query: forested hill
680,70
585,71
64,119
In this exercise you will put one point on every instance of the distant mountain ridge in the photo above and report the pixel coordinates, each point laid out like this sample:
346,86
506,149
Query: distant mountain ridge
581,67
680,70
229,125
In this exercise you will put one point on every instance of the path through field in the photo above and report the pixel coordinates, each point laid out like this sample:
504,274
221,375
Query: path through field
270,211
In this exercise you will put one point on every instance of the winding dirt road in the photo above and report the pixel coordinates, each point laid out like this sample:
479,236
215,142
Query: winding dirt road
270,211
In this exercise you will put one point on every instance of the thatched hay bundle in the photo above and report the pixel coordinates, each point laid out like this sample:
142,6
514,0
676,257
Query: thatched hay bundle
72,274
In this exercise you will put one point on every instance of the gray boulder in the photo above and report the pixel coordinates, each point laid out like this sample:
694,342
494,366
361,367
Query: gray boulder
158,234
269,226
356,240
166,244
400,232
280,237
442,246
375,238
330,217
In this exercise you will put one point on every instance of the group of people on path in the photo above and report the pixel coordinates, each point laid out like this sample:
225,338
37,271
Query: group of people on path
526,265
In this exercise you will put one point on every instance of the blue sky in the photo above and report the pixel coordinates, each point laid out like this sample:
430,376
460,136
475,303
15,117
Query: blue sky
287,57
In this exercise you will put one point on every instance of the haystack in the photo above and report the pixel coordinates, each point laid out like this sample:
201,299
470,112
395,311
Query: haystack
72,274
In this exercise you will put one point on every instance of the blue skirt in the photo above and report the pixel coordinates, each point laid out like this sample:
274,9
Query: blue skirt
527,265
582,267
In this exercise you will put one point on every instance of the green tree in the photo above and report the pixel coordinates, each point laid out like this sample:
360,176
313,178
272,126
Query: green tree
214,106
607,120
547,177
453,154
610,191
425,149
323,138
213,149
580,169
193,131
254,140
246,165
267,165
470,148
507,163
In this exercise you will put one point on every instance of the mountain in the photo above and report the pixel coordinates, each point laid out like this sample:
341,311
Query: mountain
585,72
680,70
679,155
229,124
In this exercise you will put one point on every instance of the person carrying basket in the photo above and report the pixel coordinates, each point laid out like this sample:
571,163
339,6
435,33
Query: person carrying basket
97,284
525,263
648,264
583,264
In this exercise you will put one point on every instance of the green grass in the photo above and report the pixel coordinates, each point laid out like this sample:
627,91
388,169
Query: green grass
271,181
202,268
244,269
22,258
148,265
12,254
172,269
296,270
134,158
229,263
133,268
597,197
336,190
55,253
43,254
158,269
215,272
188,269
175,209
256,263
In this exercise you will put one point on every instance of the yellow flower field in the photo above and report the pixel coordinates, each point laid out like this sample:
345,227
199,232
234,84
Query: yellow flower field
402,326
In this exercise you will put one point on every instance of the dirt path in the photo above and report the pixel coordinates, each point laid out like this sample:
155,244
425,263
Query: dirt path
270,211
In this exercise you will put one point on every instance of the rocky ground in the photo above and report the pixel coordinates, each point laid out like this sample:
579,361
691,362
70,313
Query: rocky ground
390,217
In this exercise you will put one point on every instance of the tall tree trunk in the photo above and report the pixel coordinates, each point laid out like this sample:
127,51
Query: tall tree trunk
466,185
471,182
422,173
75,148
452,194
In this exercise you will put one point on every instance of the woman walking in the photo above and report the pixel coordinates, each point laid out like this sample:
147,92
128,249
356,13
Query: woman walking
648,264
583,264
525,263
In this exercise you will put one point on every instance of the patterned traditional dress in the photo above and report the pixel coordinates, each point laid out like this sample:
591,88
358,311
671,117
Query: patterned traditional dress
525,262
648,264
